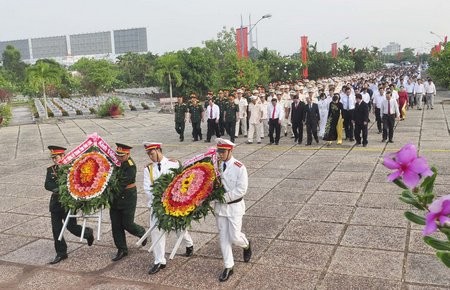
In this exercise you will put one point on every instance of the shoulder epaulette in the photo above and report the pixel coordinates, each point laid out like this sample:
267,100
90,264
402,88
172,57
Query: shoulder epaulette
130,162
149,164
238,164
172,160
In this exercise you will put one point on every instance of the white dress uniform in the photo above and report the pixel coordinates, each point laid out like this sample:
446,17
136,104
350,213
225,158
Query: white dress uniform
323,111
229,215
160,248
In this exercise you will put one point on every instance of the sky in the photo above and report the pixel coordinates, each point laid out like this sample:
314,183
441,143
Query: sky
180,24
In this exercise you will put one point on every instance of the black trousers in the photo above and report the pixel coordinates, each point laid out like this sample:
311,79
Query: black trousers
213,127
297,128
123,220
358,129
311,130
58,218
231,128
179,127
221,126
348,125
378,119
388,126
196,131
274,125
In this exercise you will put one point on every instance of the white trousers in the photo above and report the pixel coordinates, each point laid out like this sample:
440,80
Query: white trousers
323,123
254,128
264,128
230,234
159,250
243,123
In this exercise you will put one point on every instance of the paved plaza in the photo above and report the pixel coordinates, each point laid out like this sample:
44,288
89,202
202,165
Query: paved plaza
319,217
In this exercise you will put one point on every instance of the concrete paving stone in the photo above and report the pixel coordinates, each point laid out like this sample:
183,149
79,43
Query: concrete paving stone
379,177
379,217
36,227
383,238
337,281
264,172
427,269
423,287
37,253
120,285
388,201
443,179
255,193
280,165
296,254
334,198
9,243
269,277
35,207
327,151
274,209
200,239
381,187
204,274
284,195
417,245
10,220
258,157
325,213
8,274
254,164
263,182
325,159
308,173
9,203
262,227
89,259
314,232
47,279
356,167
299,185
349,176
207,225
338,185
212,249
367,263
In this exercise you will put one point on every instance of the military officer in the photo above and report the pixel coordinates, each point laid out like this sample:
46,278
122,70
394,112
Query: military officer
57,212
123,207
229,214
180,117
196,117
160,165
230,116
222,102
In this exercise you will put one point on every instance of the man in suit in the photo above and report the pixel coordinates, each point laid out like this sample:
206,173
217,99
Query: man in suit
312,118
389,112
360,119
297,116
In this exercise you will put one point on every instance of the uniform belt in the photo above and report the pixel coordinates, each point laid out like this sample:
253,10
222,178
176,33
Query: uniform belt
235,201
130,185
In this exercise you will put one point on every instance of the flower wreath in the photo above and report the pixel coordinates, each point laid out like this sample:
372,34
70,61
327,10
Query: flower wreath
184,194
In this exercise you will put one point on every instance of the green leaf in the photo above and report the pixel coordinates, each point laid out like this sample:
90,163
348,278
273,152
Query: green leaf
400,183
437,244
415,218
412,202
445,257
408,194
428,183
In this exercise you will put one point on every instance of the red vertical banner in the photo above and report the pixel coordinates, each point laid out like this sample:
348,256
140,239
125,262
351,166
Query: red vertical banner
334,50
445,40
304,48
242,42
437,48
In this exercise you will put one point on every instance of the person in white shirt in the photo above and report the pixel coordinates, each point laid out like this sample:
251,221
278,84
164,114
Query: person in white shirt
255,120
348,104
378,98
430,93
213,115
276,114
410,90
389,112
241,122
160,165
419,91
265,124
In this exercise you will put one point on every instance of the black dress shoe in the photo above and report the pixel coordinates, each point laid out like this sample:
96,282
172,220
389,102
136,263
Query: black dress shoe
351,139
189,251
390,141
120,254
90,238
144,242
156,267
58,259
384,140
248,252
227,272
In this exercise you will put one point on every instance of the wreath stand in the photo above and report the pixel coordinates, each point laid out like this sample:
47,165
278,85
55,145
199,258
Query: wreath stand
85,217
175,248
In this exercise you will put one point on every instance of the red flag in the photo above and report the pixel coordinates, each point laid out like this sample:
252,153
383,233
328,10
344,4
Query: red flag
445,40
437,48
334,50
304,46
241,42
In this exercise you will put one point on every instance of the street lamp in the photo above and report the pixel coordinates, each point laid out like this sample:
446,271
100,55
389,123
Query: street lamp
251,27
343,40
441,38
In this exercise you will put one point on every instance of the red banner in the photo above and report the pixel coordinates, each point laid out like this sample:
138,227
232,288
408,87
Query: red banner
445,40
242,42
334,50
437,48
304,47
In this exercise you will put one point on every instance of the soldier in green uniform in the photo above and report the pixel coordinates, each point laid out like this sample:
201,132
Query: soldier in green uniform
230,116
180,117
222,102
197,116
57,212
123,206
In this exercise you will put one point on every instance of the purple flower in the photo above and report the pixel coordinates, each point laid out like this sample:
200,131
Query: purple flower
406,164
439,211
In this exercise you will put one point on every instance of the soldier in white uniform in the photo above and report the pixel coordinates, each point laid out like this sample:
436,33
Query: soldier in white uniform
159,165
229,214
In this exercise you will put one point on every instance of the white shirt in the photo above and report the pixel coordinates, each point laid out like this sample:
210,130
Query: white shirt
242,107
256,112
365,97
166,165
279,112
264,106
348,102
215,112
378,99
409,88
430,88
393,107
419,88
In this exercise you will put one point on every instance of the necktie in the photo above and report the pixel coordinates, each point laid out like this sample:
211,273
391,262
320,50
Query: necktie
273,112
224,166
210,112
389,107
159,166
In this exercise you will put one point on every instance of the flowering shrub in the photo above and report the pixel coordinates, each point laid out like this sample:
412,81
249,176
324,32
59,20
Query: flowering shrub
409,170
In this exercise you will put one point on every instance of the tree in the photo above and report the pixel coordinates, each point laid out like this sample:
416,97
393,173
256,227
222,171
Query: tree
168,66
13,65
137,70
440,67
97,76
40,74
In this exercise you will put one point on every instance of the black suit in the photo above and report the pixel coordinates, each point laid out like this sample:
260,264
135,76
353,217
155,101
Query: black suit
312,118
361,118
297,117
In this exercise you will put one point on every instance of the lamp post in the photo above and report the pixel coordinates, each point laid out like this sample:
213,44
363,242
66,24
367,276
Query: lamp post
441,38
343,40
251,27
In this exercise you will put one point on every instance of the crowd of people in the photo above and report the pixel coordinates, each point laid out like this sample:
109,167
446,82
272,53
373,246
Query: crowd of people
333,109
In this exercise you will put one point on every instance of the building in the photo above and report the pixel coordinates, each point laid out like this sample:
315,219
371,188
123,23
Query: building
67,49
391,49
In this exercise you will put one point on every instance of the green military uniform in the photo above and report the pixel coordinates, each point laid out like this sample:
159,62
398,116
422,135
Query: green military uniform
123,206
196,120
180,119
58,213
230,119
221,103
